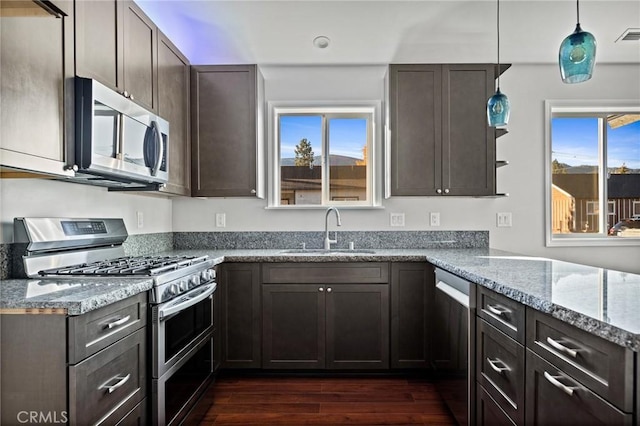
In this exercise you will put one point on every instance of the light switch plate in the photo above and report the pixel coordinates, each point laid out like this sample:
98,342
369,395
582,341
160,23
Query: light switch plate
396,219
503,219
140,219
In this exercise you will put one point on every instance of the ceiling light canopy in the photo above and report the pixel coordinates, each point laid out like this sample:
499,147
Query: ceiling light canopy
321,42
577,54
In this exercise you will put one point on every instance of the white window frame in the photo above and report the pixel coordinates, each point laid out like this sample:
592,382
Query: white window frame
374,150
588,108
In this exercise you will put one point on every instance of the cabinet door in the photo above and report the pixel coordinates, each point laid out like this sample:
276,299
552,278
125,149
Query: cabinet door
293,326
224,130
411,302
555,398
173,106
241,315
416,129
99,53
357,324
36,106
468,143
139,55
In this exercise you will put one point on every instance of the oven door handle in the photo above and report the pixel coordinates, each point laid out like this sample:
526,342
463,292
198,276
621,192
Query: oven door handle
186,301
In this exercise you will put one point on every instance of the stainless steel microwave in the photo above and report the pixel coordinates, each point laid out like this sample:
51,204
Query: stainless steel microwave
118,143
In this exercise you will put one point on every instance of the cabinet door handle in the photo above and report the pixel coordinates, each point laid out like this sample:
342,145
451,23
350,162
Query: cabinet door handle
121,380
439,191
562,348
329,290
498,310
555,382
321,289
253,191
493,364
446,191
116,323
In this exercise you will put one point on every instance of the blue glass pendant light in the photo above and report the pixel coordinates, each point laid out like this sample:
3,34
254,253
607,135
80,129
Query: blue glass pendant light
577,54
498,108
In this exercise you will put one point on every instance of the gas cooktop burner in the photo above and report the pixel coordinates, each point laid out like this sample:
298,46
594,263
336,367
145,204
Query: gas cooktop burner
125,266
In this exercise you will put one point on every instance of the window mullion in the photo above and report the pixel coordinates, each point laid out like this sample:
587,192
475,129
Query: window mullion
603,175
324,160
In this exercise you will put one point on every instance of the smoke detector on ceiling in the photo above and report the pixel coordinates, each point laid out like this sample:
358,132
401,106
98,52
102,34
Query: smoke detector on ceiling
630,34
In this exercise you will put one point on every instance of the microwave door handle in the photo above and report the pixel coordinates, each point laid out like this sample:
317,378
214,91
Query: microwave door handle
159,148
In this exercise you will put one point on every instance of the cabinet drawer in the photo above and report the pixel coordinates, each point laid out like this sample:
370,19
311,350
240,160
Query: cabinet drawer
604,367
500,369
554,397
136,417
489,412
110,383
97,329
503,313
327,273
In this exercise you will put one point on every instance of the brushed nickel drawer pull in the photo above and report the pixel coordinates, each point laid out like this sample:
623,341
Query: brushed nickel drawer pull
555,382
562,348
121,381
498,310
116,323
496,368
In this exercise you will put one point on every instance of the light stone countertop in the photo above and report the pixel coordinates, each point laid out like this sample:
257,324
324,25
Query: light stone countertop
603,302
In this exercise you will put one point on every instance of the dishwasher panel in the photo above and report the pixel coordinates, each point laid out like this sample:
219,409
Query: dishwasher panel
451,345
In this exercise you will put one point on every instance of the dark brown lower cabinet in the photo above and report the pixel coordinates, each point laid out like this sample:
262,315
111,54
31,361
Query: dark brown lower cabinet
332,326
500,370
555,398
412,293
293,320
240,308
489,412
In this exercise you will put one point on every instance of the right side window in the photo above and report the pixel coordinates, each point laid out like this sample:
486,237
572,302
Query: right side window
594,173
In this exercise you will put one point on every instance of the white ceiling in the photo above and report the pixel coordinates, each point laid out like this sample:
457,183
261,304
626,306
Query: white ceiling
269,32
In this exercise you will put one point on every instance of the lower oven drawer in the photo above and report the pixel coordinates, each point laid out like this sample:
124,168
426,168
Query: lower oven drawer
108,385
176,392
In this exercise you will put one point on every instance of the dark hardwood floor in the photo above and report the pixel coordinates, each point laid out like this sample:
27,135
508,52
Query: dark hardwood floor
325,401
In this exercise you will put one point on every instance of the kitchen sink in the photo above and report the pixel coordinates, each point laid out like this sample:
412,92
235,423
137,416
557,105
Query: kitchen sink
327,251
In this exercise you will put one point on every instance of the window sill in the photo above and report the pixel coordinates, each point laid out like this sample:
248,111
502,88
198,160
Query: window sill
593,242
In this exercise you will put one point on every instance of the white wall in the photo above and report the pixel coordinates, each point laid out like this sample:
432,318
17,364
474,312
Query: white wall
40,197
527,86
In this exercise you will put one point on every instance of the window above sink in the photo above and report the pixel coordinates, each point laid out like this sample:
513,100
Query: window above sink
324,154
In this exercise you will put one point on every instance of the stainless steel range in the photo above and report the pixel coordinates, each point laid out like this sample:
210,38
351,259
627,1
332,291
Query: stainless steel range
182,326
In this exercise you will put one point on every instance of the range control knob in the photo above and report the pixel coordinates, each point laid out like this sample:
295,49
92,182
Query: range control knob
173,289
194,281
184,285
208,275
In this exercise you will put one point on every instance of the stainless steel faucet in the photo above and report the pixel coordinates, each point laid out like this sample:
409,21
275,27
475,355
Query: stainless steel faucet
327,240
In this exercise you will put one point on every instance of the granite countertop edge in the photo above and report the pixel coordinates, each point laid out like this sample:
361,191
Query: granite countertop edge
456,261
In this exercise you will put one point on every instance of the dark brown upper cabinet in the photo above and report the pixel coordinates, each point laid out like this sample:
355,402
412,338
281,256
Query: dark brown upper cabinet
226,130
116,44
440,141
36,79
173,106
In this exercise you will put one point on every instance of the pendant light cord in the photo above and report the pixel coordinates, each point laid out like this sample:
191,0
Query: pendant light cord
498,31
578,11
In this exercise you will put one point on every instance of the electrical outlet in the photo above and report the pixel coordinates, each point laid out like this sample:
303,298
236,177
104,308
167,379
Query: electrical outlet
396,219
503,219
434,219
221,220
140,219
